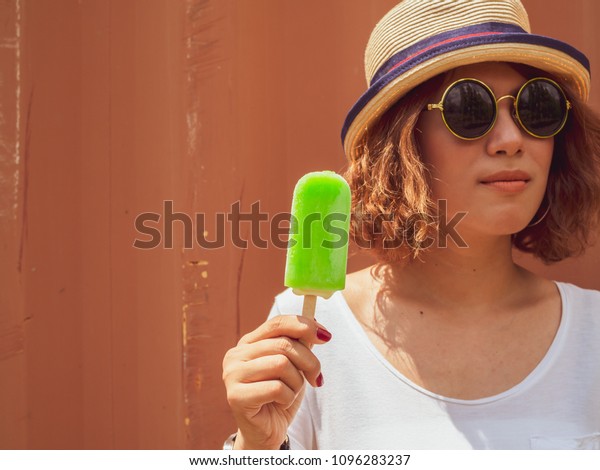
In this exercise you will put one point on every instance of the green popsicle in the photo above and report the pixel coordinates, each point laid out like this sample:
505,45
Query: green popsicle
318,244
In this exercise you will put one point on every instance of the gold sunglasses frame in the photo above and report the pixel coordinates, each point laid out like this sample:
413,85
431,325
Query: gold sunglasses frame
440,106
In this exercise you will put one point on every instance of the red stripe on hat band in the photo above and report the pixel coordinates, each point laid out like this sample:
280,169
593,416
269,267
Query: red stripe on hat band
437,44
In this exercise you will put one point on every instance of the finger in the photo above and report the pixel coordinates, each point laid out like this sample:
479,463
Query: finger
277,367
301,357
253,396
292,326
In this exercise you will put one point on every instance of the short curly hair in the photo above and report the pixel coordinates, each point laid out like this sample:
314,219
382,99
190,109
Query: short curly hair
394,216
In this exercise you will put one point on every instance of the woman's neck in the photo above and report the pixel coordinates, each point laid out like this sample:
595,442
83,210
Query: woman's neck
469,278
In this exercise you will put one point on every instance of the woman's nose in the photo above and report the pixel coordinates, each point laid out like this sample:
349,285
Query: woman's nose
506,137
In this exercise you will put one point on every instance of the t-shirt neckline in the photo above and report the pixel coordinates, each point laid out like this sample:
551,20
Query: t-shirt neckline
533,376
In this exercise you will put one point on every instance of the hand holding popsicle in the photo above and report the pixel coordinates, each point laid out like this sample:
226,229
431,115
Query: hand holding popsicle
265,378
265,373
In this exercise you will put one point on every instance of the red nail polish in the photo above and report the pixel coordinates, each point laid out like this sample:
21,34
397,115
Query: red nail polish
323,335
320,380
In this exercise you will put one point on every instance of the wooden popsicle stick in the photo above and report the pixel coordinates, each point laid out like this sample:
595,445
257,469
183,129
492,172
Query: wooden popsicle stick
309,305
308,311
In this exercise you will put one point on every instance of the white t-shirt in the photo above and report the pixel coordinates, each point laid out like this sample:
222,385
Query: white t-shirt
365,403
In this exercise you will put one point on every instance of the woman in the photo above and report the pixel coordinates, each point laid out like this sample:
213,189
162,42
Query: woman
472,138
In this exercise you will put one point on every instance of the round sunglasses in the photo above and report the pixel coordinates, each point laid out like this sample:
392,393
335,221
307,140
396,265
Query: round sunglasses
470,108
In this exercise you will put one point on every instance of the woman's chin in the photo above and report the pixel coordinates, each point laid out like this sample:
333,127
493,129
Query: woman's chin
509,228
502,226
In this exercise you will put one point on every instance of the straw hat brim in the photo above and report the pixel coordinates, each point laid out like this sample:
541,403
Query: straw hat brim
386,91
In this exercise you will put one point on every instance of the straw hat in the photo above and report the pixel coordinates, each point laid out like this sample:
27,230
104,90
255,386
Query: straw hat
419,39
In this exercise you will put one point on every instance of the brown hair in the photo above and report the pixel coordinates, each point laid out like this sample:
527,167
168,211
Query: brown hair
394,216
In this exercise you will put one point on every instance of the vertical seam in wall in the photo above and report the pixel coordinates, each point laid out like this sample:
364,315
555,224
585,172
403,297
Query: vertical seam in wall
239,278
110,228
17,155
25,202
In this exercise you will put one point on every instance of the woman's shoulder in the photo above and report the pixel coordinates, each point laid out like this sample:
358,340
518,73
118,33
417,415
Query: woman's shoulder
355,284
580,294
581,303
289,303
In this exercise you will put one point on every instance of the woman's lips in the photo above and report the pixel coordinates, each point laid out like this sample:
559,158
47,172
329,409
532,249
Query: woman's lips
507,186
507,181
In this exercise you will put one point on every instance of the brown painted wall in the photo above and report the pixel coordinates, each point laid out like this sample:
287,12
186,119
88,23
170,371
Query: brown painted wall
107,109
93,127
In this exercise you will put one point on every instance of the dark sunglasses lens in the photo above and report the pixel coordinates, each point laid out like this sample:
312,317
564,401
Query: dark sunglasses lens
469,109
542,108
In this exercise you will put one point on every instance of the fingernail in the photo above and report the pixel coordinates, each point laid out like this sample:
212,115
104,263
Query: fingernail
323,334
320,380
